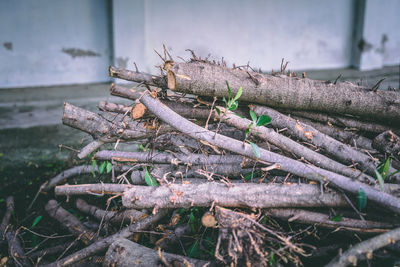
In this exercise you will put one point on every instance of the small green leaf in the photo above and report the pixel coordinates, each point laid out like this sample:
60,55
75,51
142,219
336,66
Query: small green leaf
192,222
263,120
253,116
194,250
229,90
218,111
141,148
384,171
233,105
94,165
250,175
361,199
36,221
272,261
2,200
150,181
256,149
380,179
238,94
337,218
102,167
108,167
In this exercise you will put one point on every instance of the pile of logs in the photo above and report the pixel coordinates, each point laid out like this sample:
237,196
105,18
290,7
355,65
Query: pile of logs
251,152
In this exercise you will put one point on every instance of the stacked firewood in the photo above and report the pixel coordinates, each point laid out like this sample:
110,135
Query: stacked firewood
252,152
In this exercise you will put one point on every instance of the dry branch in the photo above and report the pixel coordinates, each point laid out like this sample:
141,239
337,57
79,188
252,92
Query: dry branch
243,241
164,158
286,164
348,137
104,131
233,195
182,108
94,189
15,249
125,216
341,121
74,171
123,253
289,145
70,222
324,220
103,244
7,216
336,149
365,249
138,77
207,79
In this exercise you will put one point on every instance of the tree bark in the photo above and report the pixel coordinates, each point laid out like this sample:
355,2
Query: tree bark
125,253
336,149
139,77
365,249
249,195
323,220
344,122
102,244
289,145
286,164
115,217
208,79
70,222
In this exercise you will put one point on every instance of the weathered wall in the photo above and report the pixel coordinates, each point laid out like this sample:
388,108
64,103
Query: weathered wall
310,34
47,42
380,39
52,42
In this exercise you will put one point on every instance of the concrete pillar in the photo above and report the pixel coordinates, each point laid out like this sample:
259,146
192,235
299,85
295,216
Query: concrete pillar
377,34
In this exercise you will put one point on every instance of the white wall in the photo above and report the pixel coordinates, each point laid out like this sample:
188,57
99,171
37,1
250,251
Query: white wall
48,42
51,42
310,34
381,34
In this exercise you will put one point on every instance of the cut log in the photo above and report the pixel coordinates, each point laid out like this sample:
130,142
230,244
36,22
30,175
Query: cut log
208,79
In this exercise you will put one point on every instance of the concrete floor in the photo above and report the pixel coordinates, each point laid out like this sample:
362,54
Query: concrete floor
31,129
